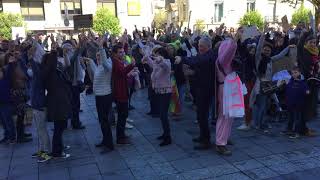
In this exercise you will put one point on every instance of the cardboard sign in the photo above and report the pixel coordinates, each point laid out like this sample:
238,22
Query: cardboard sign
18,31
83,21
134,8
285,23
249,32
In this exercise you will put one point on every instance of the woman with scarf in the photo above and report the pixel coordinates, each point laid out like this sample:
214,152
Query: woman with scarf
226,54
308,62
263,63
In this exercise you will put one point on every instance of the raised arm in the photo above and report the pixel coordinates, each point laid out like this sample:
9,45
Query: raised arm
280,55
259,50
106,62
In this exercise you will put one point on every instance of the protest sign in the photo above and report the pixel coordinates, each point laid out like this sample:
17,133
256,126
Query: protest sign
249,32
83,21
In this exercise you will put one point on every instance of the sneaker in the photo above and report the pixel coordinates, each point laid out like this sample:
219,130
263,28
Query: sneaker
286,132
67,147
44,157
243,127
310,134
294,136
11,141
222,150
129,120
37,154
128,126
63,156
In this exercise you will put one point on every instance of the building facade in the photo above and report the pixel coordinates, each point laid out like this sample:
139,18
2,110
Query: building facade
215,12
50,15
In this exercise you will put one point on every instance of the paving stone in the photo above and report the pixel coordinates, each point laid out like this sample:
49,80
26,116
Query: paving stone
261,173
203,173
284,168
256,151
53,173
308,163
84,171
172,177
248,164
210,160
223,169
119,175
153,158
185,164
175,154
237,155
163,169
235,176
145,172
272,160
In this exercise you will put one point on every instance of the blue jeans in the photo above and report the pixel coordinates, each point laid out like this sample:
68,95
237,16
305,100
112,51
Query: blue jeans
182,93
7,121
259,111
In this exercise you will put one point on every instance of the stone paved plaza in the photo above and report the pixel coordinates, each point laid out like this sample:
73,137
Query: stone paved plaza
255,155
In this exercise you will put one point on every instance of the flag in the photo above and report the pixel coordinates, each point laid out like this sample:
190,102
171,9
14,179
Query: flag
175,106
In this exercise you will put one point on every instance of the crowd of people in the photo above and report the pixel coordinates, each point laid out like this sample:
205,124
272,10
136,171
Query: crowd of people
224,75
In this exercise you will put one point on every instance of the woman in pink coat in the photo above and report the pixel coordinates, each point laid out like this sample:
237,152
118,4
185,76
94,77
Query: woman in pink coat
226,54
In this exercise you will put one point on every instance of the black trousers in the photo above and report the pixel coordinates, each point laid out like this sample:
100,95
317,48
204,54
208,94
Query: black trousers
296,122
122,109
204,98
164,102
57,141
20,126
75,120
153,99
104,104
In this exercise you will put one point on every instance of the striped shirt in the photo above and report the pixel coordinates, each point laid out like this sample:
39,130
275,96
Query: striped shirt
101,75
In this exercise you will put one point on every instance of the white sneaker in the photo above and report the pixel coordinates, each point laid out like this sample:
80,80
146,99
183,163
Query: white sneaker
243,127
129,120
128,126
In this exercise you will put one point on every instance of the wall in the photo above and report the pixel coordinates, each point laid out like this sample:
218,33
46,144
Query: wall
128,22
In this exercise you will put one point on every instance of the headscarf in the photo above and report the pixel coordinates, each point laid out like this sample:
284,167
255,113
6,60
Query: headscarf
227,51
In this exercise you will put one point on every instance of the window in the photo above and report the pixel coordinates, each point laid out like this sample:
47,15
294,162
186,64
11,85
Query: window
32,10
1,7
251,6
108,4
72,6
218,12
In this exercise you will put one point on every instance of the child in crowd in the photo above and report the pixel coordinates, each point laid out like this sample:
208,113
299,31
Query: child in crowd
296,92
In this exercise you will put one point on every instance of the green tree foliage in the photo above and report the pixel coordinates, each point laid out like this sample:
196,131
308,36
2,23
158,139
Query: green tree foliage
104,21
159,20
7,21
252,18
300,15
200,25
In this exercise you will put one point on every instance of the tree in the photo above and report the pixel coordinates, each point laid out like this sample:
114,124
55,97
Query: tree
104,21
252,18
300,15
159,20
7,21
200,25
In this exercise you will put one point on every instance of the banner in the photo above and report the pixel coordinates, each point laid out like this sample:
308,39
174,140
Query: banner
134,8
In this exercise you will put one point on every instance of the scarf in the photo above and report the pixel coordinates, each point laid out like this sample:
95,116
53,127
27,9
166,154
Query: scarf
226,53
313,50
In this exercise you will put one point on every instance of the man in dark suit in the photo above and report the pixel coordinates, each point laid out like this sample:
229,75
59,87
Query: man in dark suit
204,66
